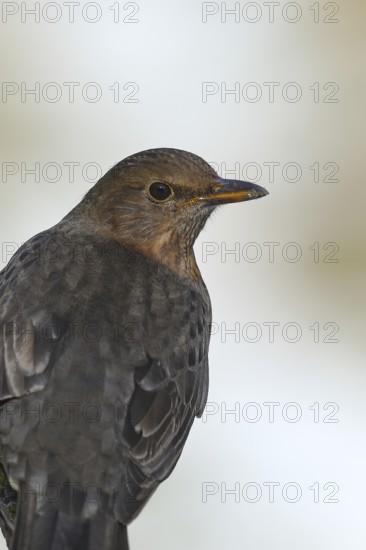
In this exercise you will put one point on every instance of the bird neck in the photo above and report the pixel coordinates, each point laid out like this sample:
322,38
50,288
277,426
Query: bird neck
170,246
171,250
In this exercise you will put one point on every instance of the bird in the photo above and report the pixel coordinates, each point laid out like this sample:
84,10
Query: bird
104,350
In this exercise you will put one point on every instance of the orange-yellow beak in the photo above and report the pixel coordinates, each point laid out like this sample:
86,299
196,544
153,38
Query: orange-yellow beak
228,191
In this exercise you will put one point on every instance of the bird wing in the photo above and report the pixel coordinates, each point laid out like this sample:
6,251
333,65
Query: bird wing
151,358
170,388
33,291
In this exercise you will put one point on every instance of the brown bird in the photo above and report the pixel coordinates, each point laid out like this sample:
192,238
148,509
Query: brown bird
104,350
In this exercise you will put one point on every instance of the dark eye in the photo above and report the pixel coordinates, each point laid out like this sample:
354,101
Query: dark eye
160,191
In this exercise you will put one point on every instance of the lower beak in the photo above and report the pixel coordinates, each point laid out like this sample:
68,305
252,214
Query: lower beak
228,191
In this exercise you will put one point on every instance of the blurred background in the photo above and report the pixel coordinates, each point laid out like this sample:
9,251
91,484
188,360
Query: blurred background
272,92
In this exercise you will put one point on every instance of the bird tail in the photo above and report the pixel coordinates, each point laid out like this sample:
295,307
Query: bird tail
52,526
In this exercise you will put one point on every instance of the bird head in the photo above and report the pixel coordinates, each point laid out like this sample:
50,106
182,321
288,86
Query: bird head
157,202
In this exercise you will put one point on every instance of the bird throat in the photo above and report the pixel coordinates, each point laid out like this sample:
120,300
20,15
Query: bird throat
173,246
176,255
165,243
170,246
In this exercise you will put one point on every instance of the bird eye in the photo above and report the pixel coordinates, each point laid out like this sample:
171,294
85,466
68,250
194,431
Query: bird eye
160,191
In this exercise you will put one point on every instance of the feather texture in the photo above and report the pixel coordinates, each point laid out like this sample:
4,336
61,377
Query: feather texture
103,358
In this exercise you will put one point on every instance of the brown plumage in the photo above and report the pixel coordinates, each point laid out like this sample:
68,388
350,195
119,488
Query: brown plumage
107,311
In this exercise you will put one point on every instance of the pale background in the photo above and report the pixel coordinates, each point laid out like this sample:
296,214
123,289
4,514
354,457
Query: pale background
169,53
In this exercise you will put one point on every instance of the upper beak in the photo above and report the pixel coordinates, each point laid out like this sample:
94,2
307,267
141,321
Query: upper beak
227,191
